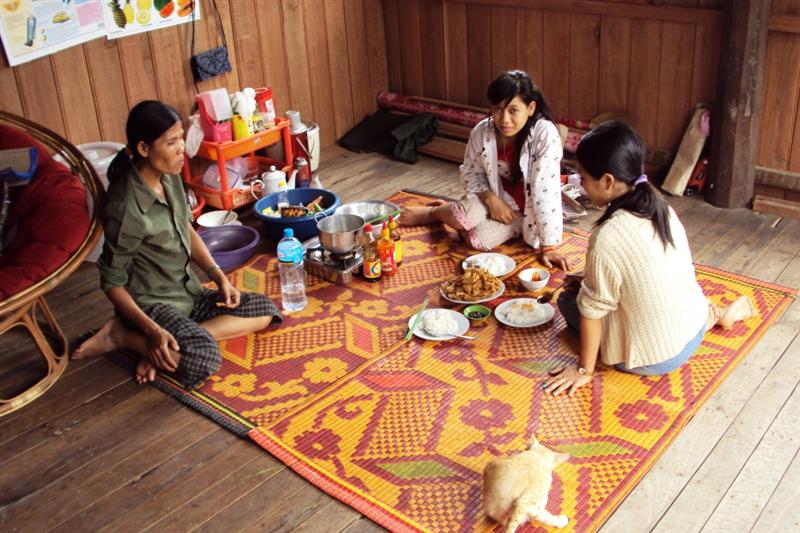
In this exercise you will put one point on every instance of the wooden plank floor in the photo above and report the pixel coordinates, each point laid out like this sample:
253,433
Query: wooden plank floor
99,452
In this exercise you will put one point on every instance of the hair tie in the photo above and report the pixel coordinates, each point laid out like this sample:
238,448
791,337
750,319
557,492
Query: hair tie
640,179
128,151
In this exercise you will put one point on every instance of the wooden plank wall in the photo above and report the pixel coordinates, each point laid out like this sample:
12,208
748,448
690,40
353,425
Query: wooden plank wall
326,58
779,130
652,63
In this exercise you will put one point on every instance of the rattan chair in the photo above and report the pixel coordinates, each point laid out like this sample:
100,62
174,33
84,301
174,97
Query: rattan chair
28,308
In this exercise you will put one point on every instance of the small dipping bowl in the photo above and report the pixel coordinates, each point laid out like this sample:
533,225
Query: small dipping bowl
527,278
477,313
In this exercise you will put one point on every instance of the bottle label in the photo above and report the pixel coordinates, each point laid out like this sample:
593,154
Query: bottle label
398,251
388,265
372,269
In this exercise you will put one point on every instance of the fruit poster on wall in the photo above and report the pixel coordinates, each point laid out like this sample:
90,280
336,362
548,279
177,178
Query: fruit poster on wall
31,29
128,17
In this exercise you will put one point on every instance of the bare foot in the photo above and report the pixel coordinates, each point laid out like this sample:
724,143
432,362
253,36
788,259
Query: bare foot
436,203
106,340
416,216
740,309
145,371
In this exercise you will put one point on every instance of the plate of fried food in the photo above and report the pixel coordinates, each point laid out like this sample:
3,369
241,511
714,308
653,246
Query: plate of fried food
475,285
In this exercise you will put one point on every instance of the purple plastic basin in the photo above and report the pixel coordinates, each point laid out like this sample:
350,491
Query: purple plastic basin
230,245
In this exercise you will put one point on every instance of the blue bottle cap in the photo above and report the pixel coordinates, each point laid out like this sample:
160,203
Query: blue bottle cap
288,232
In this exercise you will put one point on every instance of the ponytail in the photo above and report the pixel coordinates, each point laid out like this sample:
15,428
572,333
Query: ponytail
615,148
120,166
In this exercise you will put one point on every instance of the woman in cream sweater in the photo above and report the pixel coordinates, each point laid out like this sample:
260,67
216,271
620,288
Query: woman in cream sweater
639,306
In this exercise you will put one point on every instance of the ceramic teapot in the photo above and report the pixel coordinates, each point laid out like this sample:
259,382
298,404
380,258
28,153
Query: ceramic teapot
270,182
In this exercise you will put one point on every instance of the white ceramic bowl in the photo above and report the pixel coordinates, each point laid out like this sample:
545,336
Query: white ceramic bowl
526,277
214,219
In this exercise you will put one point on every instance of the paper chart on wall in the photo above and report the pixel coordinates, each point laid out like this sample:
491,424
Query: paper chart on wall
33,29
129,17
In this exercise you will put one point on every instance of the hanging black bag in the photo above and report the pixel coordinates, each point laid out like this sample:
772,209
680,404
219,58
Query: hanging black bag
212,62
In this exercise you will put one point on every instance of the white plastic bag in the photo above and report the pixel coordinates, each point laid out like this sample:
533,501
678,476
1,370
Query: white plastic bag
194,136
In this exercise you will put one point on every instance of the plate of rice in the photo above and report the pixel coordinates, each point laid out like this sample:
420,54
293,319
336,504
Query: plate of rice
524,313
494,263
439,324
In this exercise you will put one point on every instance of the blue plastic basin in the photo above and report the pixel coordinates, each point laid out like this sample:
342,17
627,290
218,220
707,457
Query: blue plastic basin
303,227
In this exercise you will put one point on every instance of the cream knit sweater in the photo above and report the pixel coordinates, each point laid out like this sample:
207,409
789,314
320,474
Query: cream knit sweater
648,298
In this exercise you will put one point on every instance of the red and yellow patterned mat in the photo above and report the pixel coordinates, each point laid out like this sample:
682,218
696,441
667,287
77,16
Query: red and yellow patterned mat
401,430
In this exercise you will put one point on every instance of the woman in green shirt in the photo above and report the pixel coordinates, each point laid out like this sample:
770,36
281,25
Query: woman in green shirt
162,312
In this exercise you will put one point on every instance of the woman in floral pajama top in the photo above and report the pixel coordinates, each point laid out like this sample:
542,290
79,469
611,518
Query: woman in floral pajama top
511,173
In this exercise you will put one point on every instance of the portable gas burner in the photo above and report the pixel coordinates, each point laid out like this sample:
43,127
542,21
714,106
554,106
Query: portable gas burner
336,268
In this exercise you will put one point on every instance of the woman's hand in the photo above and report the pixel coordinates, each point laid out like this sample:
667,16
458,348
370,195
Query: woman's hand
565,378
551,258
499,210
160,341
230,295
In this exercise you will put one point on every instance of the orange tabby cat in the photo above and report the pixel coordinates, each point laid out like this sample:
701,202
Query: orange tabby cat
516,487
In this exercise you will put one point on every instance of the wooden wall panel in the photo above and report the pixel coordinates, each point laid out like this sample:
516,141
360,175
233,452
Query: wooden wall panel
431,22
376,47
675,83
363,99
504,39
248,57
530,43
39,94
587,56
643,87
273,54
455,52
779,107
556,63
479,50
584,65
297,58
319,70
75,94
340,67
410,47
325,58
138,71
615,63
391,23
9,92
110,96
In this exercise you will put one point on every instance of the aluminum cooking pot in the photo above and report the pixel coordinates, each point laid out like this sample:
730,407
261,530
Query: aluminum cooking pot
340,233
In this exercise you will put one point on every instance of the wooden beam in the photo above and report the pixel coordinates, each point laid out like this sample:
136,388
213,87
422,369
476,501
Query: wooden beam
776,206
689,15
734,121
785,23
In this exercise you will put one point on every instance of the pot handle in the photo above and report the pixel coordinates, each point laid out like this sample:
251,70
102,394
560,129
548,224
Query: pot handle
319,213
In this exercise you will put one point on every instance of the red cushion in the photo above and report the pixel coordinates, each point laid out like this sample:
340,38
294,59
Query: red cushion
47,222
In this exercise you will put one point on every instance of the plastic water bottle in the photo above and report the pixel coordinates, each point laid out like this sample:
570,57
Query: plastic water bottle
283,195
293,277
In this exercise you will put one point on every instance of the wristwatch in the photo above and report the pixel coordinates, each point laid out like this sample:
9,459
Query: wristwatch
583,372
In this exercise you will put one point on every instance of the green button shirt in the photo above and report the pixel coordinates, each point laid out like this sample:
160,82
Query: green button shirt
147,246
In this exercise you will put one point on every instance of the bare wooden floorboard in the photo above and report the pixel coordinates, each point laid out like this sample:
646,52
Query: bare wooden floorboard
129,459
155,505
98,451
731,455
748,495
782,512
160,477
334,516
260,502
212,498
654,494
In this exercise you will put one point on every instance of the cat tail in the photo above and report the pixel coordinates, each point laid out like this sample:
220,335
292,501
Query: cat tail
519,514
